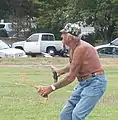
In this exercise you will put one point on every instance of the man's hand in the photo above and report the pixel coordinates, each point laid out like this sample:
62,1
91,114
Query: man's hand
44,91
55,75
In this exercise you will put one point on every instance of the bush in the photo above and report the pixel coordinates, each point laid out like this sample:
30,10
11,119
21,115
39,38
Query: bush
89,37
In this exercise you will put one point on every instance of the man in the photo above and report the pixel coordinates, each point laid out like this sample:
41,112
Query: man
85,66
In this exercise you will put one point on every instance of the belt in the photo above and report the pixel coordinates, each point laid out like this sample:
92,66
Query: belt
81,78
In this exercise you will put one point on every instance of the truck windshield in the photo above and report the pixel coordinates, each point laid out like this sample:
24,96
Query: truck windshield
3,45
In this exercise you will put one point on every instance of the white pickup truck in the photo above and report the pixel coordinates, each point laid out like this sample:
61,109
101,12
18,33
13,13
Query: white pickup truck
40,43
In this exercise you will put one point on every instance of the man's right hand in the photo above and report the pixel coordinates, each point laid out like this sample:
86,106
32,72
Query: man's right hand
55,74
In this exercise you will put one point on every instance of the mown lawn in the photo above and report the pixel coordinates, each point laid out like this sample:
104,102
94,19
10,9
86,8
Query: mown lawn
20,101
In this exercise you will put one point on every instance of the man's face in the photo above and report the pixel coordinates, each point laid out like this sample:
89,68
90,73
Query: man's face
65,38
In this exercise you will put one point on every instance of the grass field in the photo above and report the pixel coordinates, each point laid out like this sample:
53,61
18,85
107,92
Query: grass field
20,101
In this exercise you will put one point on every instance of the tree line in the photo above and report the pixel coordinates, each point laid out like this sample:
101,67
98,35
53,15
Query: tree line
52,15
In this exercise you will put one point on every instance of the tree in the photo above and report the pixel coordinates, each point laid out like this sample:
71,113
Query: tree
3,8
51,15
100,14
104,21
21,12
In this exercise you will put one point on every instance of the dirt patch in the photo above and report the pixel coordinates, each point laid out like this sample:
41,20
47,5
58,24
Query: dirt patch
44,62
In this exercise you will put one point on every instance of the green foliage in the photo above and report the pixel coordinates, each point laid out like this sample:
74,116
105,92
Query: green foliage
90,38
52,15
21,8
3,8
99,13
102,14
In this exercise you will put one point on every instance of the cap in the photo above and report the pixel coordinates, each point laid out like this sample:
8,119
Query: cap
73,29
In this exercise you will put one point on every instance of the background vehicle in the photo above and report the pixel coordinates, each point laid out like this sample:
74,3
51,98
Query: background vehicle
114,42
8,27
40,42
7,52
107,51
3,33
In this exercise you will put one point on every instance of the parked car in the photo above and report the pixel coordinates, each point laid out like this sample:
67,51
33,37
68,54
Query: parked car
110,51
7,52
41,42
3,33
8,27
114,42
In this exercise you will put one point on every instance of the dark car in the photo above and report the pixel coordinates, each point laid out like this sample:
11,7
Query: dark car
107,51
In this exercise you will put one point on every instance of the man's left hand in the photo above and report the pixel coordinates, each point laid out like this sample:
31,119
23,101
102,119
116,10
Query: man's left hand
44,91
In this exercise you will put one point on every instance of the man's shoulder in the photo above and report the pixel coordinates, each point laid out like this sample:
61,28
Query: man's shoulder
85,44
79,49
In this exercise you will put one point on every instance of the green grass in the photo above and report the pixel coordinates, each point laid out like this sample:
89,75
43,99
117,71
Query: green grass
20,101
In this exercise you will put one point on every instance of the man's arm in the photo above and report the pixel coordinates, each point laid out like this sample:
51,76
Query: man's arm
57,73
63,70
74,69
70,77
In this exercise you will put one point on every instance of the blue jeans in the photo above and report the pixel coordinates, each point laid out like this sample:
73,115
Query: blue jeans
84,98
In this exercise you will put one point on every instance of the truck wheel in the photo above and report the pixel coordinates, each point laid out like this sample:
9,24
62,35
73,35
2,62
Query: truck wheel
51,51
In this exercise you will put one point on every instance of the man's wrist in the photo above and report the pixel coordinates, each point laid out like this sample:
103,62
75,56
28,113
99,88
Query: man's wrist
53,87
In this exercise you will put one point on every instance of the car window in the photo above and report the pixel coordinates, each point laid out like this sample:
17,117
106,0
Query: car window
51,38
47,38
3,33
33,38
44,37
115,42
101,50
106,50
116,51
2,25
109,50
10,26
